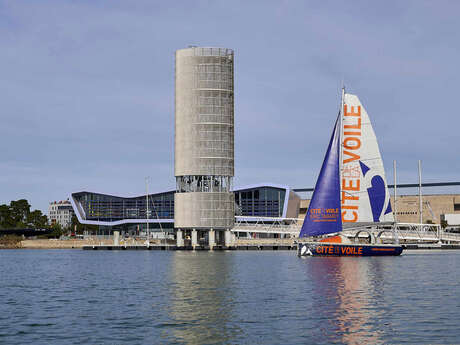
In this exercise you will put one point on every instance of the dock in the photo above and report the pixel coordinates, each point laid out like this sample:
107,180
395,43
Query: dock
253,247
197,248
422,246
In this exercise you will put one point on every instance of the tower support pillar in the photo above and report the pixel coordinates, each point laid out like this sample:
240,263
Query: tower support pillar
212,239
179,238
228,238
194,239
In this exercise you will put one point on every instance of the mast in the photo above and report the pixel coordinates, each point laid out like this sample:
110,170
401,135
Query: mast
342,101
420,190
158,218
394,190
395,234
147,210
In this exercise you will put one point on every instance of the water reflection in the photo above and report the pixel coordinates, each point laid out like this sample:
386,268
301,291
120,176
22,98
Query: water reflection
202,297
344,290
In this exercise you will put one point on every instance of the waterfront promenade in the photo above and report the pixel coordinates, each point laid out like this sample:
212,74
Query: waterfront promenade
240,244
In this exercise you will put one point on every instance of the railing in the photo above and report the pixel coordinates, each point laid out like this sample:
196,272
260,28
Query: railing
404,231
289,226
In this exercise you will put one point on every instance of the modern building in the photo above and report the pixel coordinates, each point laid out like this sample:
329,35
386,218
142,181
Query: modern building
255,203
60,212
204,143
269,202
126,213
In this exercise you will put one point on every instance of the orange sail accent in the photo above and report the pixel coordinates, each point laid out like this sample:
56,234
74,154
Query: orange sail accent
333,239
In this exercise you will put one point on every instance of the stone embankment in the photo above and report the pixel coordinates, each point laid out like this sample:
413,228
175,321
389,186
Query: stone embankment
54,244
10,242
17,242
72,243
264,241
80,243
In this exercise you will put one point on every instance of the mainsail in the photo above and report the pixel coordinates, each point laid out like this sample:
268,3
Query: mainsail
351,187
365,195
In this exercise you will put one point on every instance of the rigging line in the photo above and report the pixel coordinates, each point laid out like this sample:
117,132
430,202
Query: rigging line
156,214
360,192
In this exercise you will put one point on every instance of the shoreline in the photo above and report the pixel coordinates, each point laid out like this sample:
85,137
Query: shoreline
260,244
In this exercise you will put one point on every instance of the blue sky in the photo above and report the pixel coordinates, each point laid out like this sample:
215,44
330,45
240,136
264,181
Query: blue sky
87,88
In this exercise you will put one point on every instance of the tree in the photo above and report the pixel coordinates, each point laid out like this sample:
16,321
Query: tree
37,219
18,215
6,219
20,210
56,233
74,221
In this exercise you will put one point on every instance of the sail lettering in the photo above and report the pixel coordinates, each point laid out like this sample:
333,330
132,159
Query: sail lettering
352,220
352,112
350,185
353,156
350,169
351,143
345,196
355,126
349,207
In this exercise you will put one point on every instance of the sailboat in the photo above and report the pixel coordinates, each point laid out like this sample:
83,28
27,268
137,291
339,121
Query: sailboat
351,191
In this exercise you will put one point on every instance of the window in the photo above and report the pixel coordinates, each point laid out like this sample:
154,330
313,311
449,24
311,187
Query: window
456,207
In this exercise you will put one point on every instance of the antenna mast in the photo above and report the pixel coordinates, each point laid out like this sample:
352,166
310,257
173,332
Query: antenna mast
394,190
147,209
420,190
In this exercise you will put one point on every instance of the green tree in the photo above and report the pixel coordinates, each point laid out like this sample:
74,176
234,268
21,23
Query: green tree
37,219
6,219
74,224
18,215
56,233
20,210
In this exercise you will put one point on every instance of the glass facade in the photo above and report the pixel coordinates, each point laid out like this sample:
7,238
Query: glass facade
263,201
260,202
107,208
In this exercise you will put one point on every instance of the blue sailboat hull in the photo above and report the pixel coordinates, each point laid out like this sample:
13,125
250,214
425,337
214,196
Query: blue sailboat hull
341,249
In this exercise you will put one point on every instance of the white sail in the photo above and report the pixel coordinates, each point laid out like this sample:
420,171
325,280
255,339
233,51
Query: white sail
364,191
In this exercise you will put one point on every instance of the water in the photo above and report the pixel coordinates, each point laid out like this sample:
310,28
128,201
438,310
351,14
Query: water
128,297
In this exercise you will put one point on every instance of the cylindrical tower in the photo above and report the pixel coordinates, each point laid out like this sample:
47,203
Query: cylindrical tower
204,139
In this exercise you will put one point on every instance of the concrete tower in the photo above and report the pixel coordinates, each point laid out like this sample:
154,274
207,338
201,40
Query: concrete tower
204,145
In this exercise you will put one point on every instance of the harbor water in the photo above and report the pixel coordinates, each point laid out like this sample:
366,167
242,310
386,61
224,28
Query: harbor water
237,297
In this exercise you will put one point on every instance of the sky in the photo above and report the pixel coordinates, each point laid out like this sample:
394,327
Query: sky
87,89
